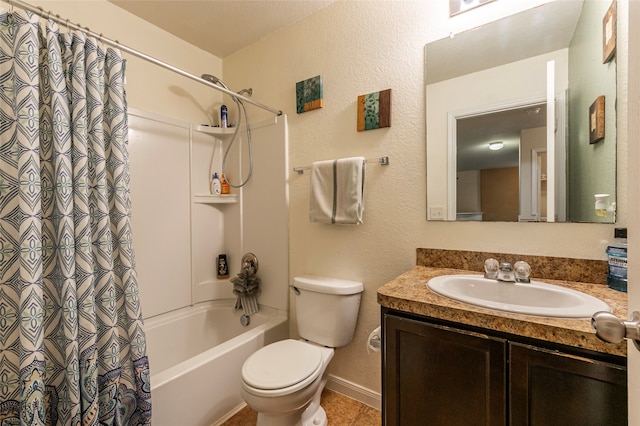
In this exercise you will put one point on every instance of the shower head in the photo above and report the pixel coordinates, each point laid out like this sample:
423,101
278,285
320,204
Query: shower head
215,80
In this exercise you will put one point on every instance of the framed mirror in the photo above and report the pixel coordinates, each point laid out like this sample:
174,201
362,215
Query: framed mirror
491,84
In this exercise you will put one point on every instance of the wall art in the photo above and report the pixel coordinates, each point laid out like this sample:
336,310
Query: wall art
609,25
596,120
309,94
374,110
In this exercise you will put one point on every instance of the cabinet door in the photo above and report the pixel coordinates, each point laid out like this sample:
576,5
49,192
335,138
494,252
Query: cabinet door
436,375
552,388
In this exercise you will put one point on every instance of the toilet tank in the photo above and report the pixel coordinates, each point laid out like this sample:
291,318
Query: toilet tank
327,309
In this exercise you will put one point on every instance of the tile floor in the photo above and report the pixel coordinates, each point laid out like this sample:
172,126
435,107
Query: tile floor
341,411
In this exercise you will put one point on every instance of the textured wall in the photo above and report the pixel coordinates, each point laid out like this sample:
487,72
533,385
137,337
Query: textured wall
358,48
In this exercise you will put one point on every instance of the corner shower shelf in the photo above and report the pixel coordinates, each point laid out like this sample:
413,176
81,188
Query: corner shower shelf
215,131
215,199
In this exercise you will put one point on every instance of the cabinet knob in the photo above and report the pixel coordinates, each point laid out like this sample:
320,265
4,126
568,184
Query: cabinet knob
612,329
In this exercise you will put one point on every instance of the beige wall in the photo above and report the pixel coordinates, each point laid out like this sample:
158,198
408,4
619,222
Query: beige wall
360,47
149,87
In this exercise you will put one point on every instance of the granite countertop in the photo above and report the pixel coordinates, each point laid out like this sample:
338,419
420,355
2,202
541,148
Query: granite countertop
409,293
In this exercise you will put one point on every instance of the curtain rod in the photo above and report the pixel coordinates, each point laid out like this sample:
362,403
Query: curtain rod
49,15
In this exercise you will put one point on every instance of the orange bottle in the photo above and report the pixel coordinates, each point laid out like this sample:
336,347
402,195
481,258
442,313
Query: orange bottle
224,186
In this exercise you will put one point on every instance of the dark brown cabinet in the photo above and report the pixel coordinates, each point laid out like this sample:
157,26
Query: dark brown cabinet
555,388
436,373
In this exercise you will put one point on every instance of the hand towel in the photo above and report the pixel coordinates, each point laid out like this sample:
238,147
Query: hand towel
245,286
337,191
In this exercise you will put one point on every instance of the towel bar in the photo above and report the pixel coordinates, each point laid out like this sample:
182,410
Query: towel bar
383,161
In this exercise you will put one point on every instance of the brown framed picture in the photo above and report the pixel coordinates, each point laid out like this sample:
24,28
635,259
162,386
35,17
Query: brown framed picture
596,120
609,24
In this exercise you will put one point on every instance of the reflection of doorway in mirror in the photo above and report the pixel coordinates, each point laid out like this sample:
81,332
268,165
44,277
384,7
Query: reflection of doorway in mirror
532,141
541,186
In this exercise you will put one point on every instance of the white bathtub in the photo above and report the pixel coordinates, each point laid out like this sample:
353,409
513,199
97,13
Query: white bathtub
195,356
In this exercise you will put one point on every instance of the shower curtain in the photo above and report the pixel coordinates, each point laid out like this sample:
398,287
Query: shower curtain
72,348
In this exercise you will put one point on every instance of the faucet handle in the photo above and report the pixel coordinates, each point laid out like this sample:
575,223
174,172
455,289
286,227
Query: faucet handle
491,269
522,270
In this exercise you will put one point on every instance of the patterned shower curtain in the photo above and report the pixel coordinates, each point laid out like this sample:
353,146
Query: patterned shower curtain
72,347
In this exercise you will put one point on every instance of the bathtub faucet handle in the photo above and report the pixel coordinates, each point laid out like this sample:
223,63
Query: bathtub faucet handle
250,263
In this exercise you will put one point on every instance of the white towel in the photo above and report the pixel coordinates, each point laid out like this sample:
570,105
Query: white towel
337,191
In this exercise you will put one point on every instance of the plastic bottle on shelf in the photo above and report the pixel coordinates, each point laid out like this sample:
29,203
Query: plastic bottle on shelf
215,185
224,185
224,120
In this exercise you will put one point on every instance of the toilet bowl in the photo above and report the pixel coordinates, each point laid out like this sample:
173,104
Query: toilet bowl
283,381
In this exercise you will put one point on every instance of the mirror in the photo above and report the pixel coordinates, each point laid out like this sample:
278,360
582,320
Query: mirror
490,84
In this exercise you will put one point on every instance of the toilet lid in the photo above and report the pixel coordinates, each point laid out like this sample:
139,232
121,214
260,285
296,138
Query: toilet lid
281,364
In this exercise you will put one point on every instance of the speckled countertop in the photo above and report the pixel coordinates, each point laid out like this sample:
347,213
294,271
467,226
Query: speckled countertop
409,293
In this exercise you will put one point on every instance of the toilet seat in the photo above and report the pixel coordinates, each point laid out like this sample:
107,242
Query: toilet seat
282,368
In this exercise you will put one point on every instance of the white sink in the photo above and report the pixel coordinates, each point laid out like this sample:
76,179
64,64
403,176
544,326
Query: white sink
534,298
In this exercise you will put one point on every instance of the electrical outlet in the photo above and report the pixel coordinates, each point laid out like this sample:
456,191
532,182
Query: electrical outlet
436,213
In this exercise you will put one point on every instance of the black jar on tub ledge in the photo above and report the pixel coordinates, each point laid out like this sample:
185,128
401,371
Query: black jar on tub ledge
223,267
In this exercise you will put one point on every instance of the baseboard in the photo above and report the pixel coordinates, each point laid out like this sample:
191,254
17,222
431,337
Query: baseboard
230,414
357,392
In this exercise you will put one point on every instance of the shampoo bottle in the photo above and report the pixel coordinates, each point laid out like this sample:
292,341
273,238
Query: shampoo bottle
215,184
224,120
223,267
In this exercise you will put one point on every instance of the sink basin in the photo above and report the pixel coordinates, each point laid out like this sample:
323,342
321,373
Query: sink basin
534,298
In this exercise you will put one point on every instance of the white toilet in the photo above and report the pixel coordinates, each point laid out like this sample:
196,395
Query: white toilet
283,381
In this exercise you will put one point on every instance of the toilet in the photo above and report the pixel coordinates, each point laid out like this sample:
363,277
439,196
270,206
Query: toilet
283,381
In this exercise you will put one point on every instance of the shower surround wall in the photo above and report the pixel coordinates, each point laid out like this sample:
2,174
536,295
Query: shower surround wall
179,229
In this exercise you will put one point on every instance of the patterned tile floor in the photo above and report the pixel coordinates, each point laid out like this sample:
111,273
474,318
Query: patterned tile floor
341,411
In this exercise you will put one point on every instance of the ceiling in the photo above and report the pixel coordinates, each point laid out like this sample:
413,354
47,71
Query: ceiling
526,34
475,133
221,27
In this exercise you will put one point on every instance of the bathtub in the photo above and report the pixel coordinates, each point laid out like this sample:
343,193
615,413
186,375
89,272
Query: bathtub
196,354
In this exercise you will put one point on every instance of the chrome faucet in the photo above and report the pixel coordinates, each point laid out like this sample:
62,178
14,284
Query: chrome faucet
506,272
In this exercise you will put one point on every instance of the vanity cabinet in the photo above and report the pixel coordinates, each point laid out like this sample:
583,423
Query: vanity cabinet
439,373
550,387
